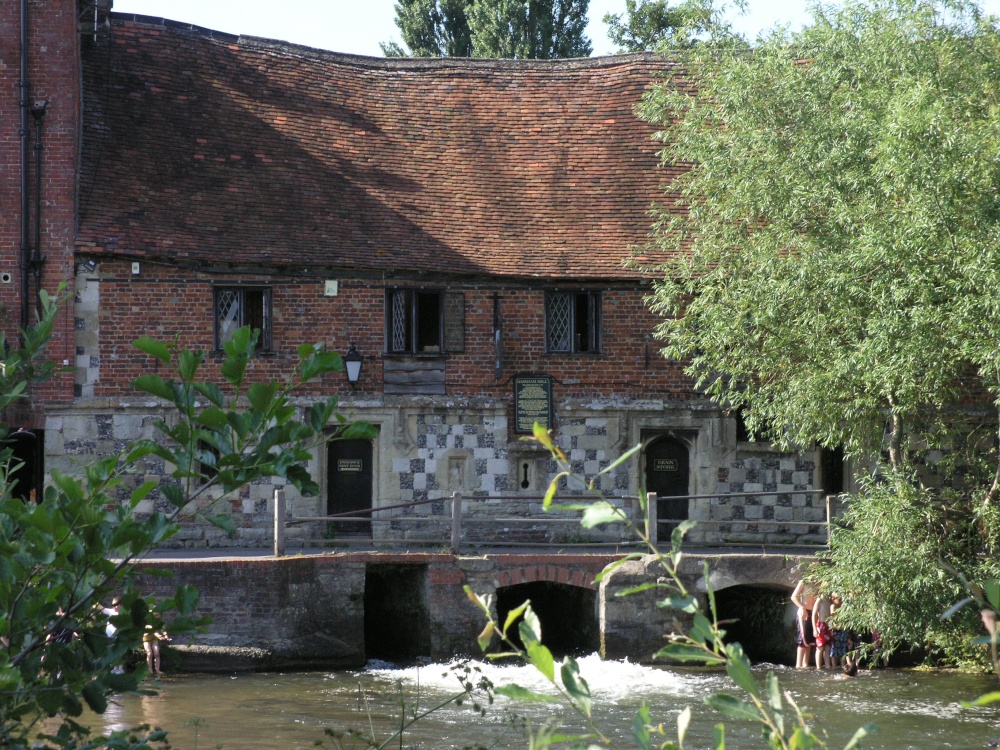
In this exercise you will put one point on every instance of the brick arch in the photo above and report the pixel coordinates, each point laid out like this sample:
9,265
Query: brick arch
552,573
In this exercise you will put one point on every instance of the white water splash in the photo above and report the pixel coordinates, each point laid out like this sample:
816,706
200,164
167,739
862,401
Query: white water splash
610,681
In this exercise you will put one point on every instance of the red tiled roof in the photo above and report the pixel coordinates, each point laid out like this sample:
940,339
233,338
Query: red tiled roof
206,148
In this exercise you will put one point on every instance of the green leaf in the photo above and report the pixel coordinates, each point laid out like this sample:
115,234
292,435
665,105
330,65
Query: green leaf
683,722
514,615
154,385
530,628
733,707
640,727
774,700
221,521
212,392
599,513
153,347
553,488
719,737
684,653
518,693
738,667
93,694
174,494
542,660
188,362
575,685
982,700
992,589
855,741
613,566
261,395
687,604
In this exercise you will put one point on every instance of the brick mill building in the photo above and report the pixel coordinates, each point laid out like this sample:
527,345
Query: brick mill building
461,223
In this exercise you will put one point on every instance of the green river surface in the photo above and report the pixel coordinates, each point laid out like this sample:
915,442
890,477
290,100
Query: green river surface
912,709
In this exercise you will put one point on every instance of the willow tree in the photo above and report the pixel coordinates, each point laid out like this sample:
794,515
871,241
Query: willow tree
834,246
835,263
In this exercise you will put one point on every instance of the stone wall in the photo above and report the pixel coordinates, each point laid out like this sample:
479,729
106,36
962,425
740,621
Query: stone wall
308,612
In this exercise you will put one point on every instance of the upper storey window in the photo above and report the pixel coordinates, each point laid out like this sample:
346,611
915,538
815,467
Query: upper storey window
572,322
424,322
241,306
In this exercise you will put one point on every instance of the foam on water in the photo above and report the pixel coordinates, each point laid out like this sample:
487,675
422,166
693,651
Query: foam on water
609,680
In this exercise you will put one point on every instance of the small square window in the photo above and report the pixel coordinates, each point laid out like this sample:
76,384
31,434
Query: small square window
572,322
236,307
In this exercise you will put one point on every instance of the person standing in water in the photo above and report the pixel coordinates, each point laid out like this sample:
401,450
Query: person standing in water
804,600
822,632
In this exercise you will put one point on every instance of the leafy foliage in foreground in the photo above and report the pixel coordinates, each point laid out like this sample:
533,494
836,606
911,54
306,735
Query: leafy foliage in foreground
68,553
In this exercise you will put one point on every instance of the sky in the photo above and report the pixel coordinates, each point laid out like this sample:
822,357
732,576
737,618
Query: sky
357,26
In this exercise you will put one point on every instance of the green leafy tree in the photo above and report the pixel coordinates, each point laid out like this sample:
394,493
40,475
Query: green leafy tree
833,264
521,29
69,552
647,25
832,250
432,28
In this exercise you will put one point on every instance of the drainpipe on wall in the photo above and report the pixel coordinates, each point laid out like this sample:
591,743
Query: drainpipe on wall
24,92
37,259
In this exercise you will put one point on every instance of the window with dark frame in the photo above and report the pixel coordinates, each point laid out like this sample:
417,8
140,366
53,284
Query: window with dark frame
236,307
424,322
573,322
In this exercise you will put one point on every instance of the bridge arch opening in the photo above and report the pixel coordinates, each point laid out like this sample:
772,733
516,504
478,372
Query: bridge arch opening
397,616
568,615
764,622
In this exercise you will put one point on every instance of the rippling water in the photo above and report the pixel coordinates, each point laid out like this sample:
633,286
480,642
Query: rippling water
912,709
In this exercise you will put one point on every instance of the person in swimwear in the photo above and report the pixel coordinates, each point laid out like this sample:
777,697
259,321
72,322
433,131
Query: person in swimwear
804,599
822,632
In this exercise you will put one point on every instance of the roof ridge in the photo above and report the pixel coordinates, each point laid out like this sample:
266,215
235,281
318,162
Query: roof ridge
396,63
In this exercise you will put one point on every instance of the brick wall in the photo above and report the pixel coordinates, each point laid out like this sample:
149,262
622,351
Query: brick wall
117,306
53,74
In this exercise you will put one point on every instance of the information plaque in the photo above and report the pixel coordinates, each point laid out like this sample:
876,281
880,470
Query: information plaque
532,403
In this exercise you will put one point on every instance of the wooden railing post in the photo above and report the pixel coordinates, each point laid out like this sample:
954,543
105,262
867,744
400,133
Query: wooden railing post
279,523
456,521
829,520
651,518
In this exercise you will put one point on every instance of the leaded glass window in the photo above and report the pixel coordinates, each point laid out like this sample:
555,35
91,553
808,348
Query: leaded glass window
572,322
236,307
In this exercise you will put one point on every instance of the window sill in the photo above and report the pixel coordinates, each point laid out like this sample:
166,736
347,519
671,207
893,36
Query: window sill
415,355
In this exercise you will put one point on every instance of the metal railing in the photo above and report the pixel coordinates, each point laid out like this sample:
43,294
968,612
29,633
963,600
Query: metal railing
457,535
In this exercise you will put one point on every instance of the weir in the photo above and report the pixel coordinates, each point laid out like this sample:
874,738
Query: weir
328,611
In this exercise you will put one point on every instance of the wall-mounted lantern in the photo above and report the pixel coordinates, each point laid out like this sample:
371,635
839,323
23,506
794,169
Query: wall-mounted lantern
352,365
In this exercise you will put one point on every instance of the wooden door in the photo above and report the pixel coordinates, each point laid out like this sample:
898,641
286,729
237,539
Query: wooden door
667,475
349,483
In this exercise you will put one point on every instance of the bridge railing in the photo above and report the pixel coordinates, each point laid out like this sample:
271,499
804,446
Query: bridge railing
455,529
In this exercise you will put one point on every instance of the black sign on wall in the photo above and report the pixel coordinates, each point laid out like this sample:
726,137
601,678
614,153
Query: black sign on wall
532,402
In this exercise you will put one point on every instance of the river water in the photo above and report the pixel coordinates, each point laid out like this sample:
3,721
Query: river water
913,709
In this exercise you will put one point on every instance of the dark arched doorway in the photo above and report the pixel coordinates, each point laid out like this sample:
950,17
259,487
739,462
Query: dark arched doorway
761,619
27,469
568,615
667,474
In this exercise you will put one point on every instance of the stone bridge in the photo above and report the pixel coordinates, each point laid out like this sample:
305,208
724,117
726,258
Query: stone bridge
336,610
